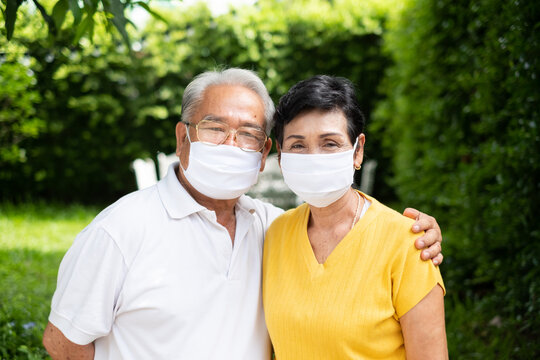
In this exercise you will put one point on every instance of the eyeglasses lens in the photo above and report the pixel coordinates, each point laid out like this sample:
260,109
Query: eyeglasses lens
216,133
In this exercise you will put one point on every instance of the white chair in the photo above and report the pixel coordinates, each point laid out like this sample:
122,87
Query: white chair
145,172
368,176
164,161
271,188
145,169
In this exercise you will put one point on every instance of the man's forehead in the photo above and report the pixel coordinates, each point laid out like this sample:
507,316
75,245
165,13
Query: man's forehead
231,103
233,94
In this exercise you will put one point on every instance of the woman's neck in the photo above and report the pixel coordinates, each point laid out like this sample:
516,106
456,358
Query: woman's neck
341,212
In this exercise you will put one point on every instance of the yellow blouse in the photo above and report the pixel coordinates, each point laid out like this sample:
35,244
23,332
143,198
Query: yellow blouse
349,307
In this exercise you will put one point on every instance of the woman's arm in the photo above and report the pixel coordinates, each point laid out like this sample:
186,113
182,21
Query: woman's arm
423,328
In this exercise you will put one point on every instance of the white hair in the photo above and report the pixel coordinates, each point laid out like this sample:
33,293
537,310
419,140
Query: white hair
194,92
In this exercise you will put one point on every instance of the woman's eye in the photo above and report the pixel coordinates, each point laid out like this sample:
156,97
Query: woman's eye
296,146
331,145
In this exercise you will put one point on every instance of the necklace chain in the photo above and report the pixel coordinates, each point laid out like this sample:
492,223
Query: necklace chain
357,211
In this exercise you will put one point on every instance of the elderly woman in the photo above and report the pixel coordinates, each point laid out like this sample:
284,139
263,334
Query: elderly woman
341,276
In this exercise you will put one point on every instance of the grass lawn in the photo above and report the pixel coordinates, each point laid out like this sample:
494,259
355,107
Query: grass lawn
33,240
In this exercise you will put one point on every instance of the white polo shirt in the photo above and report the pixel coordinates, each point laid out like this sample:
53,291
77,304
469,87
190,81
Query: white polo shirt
154,276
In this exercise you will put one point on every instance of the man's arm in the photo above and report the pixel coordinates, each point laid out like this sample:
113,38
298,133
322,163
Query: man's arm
89,280
60,347
431,240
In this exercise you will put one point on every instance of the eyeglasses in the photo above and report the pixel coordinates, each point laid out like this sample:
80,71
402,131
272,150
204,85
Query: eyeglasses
214,132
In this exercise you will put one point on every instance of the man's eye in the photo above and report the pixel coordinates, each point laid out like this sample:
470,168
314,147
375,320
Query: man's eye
215,129
248,134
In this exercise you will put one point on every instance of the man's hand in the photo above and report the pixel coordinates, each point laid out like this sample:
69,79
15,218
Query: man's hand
431,240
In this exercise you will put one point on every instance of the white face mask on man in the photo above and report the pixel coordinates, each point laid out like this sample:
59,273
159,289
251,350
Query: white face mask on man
319,179
221,172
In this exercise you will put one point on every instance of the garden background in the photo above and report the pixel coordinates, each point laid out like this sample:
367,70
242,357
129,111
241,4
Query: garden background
450,89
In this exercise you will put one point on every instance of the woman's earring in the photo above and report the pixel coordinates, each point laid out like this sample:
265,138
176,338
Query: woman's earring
357,167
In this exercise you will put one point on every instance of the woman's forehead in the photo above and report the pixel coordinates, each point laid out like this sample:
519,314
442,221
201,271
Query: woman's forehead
318,121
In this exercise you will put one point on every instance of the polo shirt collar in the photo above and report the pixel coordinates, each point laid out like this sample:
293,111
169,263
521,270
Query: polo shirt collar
174,197
245,204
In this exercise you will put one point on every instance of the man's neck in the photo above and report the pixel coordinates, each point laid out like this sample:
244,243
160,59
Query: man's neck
224,209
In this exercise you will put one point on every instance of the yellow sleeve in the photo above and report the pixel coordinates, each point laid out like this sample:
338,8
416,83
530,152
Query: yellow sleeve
412,277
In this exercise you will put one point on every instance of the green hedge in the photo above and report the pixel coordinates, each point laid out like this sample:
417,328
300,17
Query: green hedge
103,108
17,113
461,122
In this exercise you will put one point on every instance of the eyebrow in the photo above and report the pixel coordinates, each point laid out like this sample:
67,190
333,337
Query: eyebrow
295,137
322,136
213,118
330,134
221,120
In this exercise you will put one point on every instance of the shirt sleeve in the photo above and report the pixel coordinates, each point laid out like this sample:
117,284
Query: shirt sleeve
266,211
272,213
412,277
89,281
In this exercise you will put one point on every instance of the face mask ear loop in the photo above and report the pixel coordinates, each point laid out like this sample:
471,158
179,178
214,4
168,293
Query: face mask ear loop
187,133
354,152
189,139
354,147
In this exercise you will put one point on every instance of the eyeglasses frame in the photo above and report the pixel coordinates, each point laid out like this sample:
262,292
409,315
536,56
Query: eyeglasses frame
196,126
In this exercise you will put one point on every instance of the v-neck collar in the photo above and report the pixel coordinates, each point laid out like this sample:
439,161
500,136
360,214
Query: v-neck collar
317,269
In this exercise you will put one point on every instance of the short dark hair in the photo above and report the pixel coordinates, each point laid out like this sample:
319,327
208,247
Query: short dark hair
320,92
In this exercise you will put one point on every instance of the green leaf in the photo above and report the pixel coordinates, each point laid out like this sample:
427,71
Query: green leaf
86,26
150,11
59,12
48,19
76,11
11,15
116,8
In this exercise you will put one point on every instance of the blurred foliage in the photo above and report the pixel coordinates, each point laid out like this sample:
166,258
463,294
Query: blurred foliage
103,107
461,124
17,113
81,18
85,137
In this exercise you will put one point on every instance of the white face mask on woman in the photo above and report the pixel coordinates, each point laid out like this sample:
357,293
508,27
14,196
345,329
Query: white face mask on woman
221,172
319,179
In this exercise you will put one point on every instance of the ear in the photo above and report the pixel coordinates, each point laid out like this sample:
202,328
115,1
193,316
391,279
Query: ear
359,151
180,137
182,145
265,152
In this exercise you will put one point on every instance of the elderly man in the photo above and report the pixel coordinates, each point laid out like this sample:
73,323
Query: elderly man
174,271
